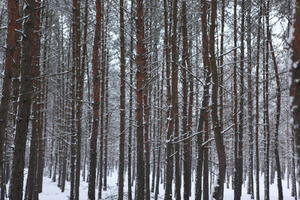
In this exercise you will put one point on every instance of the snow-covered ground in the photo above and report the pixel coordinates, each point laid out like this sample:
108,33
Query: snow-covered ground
52,192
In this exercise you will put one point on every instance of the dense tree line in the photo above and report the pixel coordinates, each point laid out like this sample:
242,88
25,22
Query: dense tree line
192,97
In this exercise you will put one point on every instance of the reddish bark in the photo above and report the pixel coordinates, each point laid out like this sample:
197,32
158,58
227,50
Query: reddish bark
141,64
96,83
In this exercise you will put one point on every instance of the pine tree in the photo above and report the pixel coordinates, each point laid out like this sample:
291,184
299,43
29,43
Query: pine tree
140,73
295,91
96,103
25,99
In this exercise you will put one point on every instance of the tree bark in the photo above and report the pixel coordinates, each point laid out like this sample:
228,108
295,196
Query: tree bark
203,117
257,102
141,67
239,161
11,60
187,106
295,86
266,109
174,100
250,100
16,184
96,91
219,188
130,128
122,102
170,119
278,113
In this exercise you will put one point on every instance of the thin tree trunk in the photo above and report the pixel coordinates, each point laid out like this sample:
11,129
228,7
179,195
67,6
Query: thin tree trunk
235,99
130,128
250,100
96,94
175,106
295,91
81,79
219,188
239,167
186,109
203,112
266,111
141,67
170,121
257,102
105,174
161,101
102,101
78,93
122,102
278,112
221,67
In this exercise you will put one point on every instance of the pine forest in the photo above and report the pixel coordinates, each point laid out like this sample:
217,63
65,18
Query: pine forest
149,99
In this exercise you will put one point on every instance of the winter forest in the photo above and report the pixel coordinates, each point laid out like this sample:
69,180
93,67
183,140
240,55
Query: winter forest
149,99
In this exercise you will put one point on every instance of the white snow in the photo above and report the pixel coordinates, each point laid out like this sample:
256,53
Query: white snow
52,192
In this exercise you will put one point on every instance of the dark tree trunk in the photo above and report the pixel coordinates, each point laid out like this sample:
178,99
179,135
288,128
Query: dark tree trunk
235,97
96,94
257,103
239,162
170,121
16,184
187,108
266,109
175,106
130,128
141,67
122,102
278,112
295,87
78,92
219,188
161,101
250,101
203,112
11,60
102,101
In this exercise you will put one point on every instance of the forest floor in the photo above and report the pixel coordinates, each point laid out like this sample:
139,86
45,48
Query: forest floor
52,192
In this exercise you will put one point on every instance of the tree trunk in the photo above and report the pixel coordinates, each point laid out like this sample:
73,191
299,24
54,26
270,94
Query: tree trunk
295,86
186,123
161,101
130,128
122,102
175,106
257,102
278,112
11,60
250,100
16,184
239,164
203,112
141,67
170,121
102,101
266,110
79,91
96,91
235,99
219,188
